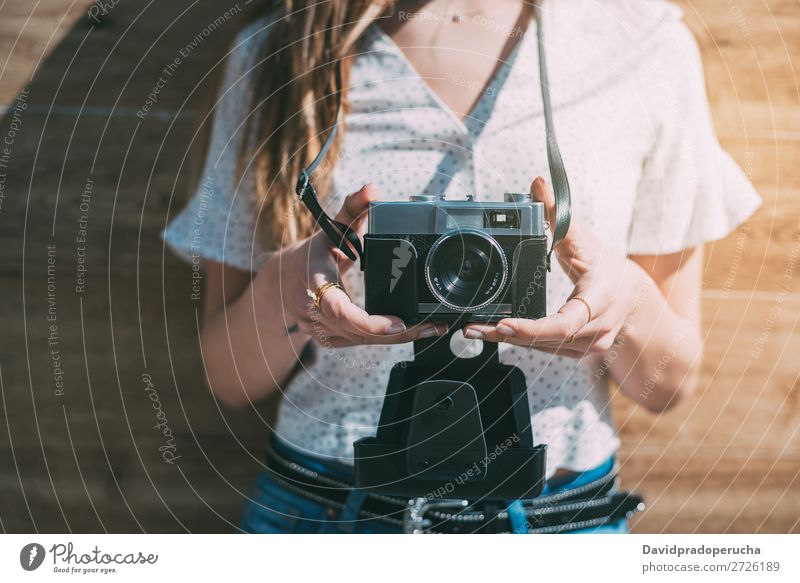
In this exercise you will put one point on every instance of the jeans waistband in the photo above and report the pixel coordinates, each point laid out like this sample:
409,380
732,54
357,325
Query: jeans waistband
344,472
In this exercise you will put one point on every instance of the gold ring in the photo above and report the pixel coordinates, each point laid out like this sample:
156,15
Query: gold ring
586,304
317,294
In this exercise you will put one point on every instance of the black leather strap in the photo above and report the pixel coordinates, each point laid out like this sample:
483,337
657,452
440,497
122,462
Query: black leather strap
343,237
558,175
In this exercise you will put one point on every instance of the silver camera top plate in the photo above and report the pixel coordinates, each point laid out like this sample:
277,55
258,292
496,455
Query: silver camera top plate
436,217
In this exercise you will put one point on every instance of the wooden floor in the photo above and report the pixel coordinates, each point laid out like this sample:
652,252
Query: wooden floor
85,456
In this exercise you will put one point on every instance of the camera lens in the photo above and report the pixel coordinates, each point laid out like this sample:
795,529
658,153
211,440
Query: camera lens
466,269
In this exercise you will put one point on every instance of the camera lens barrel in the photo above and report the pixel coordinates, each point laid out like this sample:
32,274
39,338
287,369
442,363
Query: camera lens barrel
466,269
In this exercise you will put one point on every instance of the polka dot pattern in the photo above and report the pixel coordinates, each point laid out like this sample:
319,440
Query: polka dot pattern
646,171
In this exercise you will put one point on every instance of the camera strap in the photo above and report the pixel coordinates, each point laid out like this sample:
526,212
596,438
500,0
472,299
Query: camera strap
347,241
341,235
558,174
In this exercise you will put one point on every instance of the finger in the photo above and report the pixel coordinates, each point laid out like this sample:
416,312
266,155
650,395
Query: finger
560,349
578,343
414,333
348,318
568,352
355,206
557,327
354,213
334,259
481,332
592,343
323,329
343,262
323,332
418,332
582,346
343,342
541,192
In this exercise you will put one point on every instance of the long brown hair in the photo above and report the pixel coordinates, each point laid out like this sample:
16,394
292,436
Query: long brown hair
294,91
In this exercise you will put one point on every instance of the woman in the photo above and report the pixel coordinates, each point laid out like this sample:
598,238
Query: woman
442,97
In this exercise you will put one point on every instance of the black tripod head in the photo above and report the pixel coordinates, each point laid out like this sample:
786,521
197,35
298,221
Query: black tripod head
453,427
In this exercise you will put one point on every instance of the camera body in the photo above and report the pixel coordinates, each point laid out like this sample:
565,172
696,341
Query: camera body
456,260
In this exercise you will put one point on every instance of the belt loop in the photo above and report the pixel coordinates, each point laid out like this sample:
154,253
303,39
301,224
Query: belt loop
352,506
517,518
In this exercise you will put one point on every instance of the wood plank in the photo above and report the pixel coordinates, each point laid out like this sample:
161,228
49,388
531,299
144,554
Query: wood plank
769,162
28,33
750,385
112,489
750,50
709,491
756,256
127,180
122,58
727,459
761,255
124,159
118,330
106,417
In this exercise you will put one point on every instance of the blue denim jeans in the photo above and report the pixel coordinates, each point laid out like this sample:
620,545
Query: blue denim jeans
271,508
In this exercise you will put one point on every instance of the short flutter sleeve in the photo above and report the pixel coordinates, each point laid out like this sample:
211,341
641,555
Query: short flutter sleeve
690,191
219,222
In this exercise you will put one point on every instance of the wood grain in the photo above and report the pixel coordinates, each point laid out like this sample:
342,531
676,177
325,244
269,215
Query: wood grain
760,256
751,383
689,491
728,459
28,34
122,57
751,54
89,460
97,441
127,178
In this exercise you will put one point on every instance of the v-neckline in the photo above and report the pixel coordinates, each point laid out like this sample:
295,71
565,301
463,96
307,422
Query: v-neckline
491,89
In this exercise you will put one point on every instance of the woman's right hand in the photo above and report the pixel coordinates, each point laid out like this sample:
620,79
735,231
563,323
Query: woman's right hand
338,322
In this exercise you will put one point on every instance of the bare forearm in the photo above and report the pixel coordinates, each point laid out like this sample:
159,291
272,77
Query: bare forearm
656,359
247,350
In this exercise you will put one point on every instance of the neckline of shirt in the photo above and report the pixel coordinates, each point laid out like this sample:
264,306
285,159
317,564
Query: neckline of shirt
471,126
587,49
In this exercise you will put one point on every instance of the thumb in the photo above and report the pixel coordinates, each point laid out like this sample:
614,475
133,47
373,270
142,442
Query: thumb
354,210
541,192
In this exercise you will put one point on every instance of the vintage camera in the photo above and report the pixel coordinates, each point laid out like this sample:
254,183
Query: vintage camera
456,260
453,427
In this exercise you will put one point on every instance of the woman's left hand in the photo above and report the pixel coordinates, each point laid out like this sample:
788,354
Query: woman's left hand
608,286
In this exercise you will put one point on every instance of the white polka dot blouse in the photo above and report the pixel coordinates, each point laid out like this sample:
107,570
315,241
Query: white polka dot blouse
646,170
